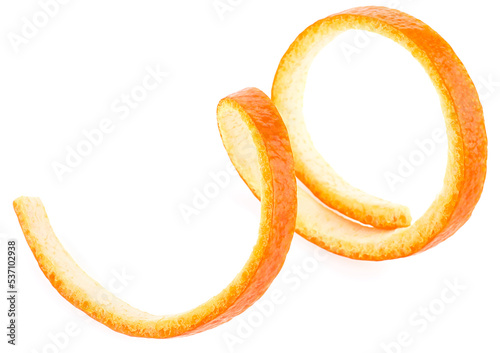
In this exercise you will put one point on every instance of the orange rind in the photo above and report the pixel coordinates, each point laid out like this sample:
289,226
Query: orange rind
248,113
258,143
467,145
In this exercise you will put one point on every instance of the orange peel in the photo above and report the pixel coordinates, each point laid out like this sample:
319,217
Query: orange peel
249,113
258,144
467,145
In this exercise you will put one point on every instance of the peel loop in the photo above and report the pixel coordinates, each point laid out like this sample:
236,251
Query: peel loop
250,114
466,168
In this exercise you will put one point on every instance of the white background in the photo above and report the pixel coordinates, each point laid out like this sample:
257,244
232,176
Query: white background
118,210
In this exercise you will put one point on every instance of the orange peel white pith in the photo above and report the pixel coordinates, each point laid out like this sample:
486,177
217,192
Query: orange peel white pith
259,145
467,145
236,115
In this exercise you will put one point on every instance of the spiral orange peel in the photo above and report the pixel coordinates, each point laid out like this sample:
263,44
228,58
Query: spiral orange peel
260,143
467,145
247,113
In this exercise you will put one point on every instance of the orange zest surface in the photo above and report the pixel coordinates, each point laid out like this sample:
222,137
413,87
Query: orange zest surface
258,143
467,145
248,113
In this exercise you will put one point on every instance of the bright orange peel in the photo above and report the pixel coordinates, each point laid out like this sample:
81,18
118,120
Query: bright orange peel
258,144
467,144
249,113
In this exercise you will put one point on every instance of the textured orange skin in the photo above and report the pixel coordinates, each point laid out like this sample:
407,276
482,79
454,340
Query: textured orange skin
465,126
279,208
279,194
467,106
